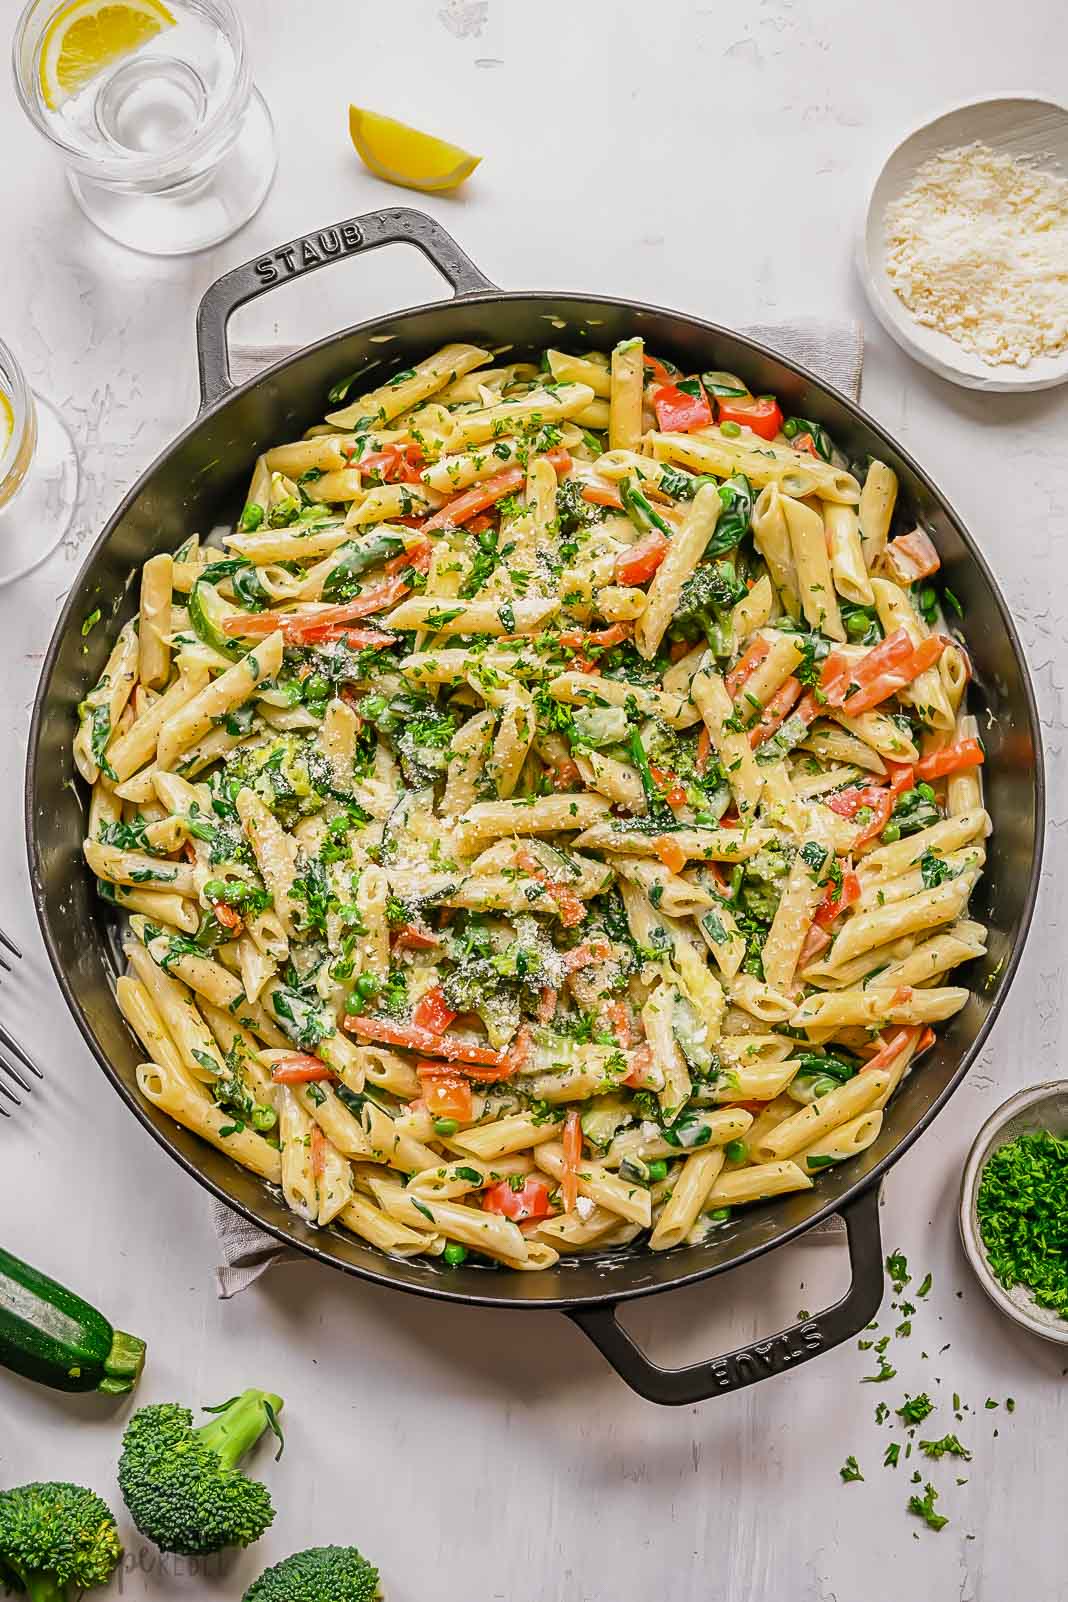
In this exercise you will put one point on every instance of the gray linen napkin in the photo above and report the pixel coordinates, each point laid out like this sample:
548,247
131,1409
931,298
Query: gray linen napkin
835,350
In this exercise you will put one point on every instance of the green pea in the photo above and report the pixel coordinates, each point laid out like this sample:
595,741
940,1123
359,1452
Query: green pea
445,1126
731,430
891,833
706,818
736,1151
217,890
720,1215
455,1254
316,687
658,1170
928,599
263,1118
926,791
367,985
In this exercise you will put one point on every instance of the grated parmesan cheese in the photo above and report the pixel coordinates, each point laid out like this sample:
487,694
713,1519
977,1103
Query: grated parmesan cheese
977,247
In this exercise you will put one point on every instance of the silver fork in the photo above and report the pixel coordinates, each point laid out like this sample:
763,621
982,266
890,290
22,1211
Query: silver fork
11,1045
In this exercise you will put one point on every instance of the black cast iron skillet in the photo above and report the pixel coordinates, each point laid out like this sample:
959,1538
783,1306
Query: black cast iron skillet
200,482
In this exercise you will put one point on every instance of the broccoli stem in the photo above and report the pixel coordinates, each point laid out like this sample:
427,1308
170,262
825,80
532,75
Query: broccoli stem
123,1364
41,1587
235,1430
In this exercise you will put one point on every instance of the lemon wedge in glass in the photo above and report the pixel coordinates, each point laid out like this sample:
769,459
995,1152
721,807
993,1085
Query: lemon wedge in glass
405,156
86,36
7,422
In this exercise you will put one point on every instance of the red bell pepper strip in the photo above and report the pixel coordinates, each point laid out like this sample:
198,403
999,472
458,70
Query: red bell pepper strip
300,628
410,937
476,499
596,639
532,1201
602,495
816,940
638,565
890,1049
572,1158
638,1074
446,1095
300,1069
547,999
902,777
875,688
760,413
746,665
570,908
398,464
704,749
621,1021
670,853
317,1151
227,916
912,556
677,412
951,759
417,556
433,1012
356,639
776,712
837,898
674,792
879,799
589,951
659,371
412,1038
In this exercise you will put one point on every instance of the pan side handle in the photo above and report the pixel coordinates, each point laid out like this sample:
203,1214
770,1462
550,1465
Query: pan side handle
395,225
674,1387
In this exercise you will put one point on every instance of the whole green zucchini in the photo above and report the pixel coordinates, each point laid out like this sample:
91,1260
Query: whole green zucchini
50,1335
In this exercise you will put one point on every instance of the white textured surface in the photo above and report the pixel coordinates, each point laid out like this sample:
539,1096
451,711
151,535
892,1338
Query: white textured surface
494,1456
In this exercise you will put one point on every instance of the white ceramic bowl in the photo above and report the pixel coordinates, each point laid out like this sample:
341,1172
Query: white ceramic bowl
1019,125
1040,1107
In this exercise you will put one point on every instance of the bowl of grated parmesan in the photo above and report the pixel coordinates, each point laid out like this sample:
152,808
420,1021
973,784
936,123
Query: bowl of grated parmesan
964,249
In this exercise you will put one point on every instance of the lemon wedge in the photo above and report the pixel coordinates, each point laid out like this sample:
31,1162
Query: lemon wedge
86,36
7,422
403,155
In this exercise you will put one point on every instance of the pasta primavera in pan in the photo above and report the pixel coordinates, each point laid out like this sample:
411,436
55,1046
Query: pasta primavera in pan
548,820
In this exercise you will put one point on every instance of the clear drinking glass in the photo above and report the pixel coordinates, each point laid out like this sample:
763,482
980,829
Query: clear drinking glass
38,474
169,148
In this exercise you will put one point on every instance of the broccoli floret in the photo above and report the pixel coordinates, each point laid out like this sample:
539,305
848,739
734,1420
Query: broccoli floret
573,513
56,1541
182,1485
323,1574
705,602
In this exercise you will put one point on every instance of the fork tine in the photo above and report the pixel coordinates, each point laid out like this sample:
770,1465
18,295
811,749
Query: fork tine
10,944
6,966
7,1039
10,1094
14,1074
4,1112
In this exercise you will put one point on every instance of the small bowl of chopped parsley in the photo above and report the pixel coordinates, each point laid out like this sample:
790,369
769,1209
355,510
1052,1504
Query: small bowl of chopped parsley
1014,1209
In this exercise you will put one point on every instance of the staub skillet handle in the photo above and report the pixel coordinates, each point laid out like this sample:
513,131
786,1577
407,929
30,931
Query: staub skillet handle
673,1387
396,225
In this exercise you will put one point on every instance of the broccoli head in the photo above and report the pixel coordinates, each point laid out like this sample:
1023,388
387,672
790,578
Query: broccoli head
182,1485
56,1541
705,602
323,1574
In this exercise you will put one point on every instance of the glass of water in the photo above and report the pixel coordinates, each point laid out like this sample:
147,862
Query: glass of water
168,146
38,474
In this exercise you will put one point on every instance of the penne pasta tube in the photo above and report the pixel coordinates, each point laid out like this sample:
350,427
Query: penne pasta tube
820,1117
